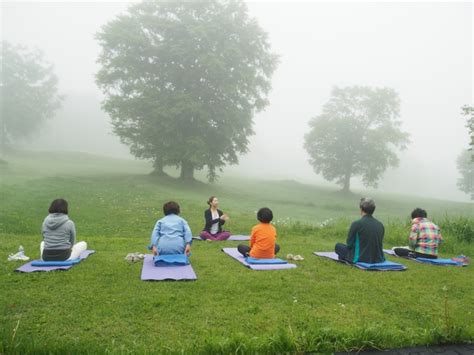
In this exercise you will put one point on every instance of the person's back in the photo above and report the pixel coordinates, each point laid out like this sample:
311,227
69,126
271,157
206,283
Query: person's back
171,234
262,241
425,236
365,241
365,237
58,232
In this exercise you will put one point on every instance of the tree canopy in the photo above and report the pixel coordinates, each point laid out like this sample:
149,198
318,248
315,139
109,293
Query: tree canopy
28,92
356,134
182,81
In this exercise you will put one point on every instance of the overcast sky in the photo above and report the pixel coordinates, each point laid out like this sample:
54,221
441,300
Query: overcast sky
422,50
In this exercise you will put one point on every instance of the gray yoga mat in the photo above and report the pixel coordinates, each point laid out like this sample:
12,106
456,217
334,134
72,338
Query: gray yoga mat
236,237
234,253
150,272
438,261
30,268
385,266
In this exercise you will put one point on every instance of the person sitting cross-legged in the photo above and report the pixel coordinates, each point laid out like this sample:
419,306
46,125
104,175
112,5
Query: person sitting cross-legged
262,238
365,238
425,237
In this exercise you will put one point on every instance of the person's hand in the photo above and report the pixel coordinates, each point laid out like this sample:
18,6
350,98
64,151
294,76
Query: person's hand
187,251
154,250
225,217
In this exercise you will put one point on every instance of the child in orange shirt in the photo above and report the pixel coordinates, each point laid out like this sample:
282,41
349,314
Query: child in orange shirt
262,239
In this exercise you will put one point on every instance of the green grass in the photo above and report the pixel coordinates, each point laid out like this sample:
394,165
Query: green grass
101,306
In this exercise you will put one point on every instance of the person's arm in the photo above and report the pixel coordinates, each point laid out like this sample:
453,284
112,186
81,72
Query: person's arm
223,217
155,237
414,233
252,237
351,236
188,235
72,234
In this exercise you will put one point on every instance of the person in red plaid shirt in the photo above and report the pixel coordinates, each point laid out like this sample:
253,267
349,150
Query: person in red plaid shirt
425,237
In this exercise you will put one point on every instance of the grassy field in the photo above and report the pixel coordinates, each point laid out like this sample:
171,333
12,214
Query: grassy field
101,306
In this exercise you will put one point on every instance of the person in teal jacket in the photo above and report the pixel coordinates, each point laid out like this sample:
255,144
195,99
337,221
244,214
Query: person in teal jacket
365,237
171,234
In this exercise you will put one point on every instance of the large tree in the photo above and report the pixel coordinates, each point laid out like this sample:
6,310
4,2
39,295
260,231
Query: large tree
28,92
356,134
465,161
182,81
468,112
465,165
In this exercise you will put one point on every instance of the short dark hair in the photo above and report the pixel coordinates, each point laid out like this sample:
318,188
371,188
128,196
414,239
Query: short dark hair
419,212
265,215
58,206
367,205
171,207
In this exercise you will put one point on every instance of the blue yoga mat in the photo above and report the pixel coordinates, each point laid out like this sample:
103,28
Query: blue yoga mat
440,261
251,260
171,260
42,263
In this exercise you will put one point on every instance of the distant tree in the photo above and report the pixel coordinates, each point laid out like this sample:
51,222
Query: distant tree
356,135
182,81
468,112
466,169
28,91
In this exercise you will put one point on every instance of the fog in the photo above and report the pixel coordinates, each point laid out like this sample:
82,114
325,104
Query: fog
422,50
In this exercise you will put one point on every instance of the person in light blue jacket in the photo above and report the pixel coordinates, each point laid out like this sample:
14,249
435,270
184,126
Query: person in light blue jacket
171,234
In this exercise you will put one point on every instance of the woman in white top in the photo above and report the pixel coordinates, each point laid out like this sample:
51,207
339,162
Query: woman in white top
215,218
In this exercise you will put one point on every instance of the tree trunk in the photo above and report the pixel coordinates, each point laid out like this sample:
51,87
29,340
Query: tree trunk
187,171
347,184
158,168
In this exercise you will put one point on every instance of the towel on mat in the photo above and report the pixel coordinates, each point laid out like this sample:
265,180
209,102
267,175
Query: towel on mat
384,266
171,260
251,260
438,261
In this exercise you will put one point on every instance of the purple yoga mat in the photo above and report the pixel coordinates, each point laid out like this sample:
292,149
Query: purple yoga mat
161,273
237,237
29,268
234,253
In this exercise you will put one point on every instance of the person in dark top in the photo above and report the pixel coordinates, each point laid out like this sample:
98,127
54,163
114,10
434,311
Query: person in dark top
365,238
215,219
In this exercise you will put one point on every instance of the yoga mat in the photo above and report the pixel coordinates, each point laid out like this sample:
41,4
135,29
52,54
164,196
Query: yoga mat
234,253
385,266
28,267
438,261
237,237
151,272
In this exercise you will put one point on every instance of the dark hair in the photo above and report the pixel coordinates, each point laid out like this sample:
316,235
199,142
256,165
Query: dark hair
58,206
265,215
367,205
210,200
419,212
171,207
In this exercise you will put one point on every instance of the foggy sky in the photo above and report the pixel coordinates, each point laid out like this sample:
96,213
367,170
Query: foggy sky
422,50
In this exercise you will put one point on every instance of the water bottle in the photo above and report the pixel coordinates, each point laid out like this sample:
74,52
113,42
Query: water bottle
21,250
